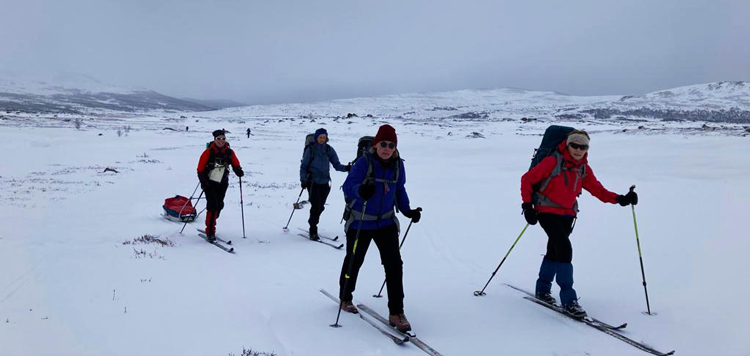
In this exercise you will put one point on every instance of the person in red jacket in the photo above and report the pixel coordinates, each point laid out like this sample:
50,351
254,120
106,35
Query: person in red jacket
213,174
560,178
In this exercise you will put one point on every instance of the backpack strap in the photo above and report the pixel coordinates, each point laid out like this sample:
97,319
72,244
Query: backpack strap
541,199
351,215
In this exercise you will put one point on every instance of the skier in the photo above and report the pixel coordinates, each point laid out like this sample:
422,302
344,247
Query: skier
556,206
248,132
213,175
376,184
315,176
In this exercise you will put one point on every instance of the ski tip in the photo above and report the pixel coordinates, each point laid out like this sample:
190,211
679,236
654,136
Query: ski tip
231,250
340,246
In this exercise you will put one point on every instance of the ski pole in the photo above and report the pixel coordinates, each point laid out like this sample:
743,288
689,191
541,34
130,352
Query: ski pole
351,265
379,295
481,293
191,198
242,209
185,224
640,256
286,228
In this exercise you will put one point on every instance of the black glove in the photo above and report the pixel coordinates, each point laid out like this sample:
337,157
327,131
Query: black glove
348,167
304,184
204,181
367,190
529,213
238,171
627,199
414,214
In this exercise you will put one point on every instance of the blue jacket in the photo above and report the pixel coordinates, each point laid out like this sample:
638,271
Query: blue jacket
319,169
387,195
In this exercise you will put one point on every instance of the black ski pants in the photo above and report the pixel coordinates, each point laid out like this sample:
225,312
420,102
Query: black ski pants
558,229
215,193
317,195
386,239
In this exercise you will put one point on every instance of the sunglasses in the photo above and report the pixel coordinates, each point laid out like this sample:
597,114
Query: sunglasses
221,138
390,145
579,147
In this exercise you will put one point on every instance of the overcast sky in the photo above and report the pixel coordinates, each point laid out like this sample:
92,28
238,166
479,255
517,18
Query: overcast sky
288,51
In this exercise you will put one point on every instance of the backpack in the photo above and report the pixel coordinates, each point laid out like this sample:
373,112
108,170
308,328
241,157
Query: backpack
309,141
179,208
363,145
552,138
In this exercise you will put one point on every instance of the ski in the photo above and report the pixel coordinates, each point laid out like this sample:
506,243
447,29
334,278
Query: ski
306,237
218,238
596,324
321,236
394,338
530,296
216,243
411,337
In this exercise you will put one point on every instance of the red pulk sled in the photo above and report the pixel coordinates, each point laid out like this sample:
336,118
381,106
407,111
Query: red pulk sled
179,208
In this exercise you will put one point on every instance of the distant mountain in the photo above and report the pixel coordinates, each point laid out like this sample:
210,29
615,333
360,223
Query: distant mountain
216,103
715,102
81,94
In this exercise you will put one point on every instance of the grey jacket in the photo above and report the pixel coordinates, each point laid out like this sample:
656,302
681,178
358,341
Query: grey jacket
317,169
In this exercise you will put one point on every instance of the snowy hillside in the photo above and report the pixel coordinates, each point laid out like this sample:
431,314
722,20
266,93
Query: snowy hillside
79,94
79,280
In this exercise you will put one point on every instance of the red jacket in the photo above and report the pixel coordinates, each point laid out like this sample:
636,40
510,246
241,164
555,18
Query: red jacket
225,154
557,191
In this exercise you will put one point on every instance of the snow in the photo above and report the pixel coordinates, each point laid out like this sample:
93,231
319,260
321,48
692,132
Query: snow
71,287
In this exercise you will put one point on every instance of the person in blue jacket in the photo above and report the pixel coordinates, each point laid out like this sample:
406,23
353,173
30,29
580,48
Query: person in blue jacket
315,176
374,188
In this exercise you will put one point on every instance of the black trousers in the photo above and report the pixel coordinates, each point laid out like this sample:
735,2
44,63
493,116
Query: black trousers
317,195
558,229
386,239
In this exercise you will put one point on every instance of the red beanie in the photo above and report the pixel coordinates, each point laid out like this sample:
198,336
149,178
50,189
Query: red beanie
385,133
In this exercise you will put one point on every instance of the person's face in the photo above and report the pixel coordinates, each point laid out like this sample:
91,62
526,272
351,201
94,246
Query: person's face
385,149
322,138
220,140
577,151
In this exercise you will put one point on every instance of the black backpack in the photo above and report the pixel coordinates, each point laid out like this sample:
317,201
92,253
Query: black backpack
364,145
553,136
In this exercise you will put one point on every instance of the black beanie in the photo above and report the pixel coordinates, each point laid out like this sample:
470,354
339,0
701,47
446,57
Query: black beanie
218,133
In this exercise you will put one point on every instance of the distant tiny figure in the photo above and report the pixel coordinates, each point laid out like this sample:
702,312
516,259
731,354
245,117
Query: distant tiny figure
248,133
187,128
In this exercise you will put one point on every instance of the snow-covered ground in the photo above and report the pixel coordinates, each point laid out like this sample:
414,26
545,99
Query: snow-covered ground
70,286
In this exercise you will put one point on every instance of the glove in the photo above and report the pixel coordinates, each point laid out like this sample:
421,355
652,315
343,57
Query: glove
529,213
204,181
348,167
367,190
627,199
414,214
238,171
304,184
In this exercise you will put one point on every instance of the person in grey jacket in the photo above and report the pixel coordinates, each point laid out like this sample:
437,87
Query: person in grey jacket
314,173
